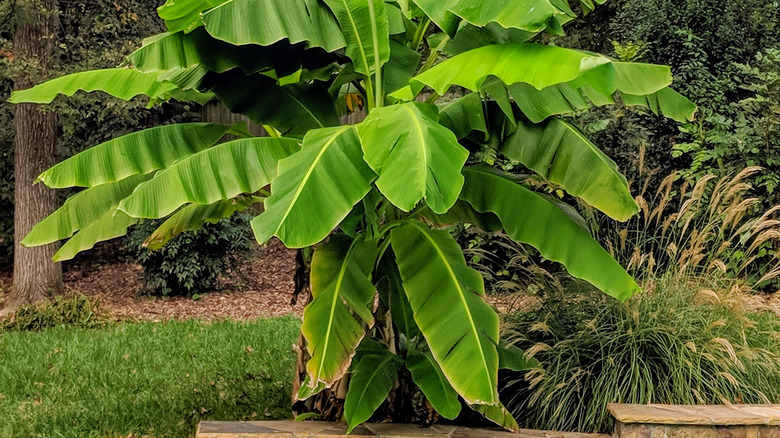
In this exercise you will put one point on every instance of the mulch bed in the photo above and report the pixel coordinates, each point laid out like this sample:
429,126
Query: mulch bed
267,292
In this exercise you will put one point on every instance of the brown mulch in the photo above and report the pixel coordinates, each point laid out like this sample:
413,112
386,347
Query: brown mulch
265,290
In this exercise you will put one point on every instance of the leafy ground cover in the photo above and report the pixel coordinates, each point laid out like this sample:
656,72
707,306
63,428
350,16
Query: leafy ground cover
144,379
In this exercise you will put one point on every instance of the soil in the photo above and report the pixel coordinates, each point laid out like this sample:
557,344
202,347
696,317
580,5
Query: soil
265,290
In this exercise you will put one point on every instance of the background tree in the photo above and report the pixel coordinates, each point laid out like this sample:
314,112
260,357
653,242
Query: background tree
369,197
36,276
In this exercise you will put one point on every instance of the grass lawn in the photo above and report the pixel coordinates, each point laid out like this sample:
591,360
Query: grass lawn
144,379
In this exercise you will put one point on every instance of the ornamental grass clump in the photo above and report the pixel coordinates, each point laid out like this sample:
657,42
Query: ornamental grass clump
678,343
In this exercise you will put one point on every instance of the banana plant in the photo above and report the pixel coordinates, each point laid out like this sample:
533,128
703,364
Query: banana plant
391,292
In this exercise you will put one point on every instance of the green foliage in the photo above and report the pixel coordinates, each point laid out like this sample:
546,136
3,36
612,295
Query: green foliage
677,343
365,195
719,51
74,311
192,262
153,380
749,135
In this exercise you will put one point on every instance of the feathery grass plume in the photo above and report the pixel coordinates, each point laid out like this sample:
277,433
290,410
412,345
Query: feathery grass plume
713,228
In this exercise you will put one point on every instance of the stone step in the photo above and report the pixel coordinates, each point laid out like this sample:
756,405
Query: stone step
717,415
319,429
719,421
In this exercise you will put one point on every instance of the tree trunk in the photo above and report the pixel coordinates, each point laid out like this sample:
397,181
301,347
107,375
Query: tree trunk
35,275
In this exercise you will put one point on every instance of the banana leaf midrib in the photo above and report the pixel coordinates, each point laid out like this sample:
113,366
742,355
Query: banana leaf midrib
357,33
421,135
375,37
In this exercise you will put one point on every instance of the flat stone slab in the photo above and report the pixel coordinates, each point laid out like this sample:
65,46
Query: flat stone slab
720,415
321,429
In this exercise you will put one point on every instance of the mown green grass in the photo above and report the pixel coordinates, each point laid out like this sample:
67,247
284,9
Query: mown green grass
144,379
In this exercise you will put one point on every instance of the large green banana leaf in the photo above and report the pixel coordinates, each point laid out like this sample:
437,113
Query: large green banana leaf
498,414
540,66
666,102
192,218
138,153
559,99
464,116
316,188
265,22
185,14
424,161
513,358
396,20
188,79
529,15
372,379
178,50
340,286
112,224
123,83
81,210
446,298
461,212
561,154
530,219
292,109
470,37
495,90
365,27
215,174
535,64
427,375
641,79
182,94
401,67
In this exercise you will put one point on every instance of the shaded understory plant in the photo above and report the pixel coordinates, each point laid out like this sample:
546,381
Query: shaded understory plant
393,298
694,341
191,263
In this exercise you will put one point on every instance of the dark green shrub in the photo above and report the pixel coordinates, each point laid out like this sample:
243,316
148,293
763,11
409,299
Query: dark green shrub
678,343
75,310
191,262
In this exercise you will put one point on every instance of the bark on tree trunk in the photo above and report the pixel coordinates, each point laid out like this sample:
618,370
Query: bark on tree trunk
35,275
